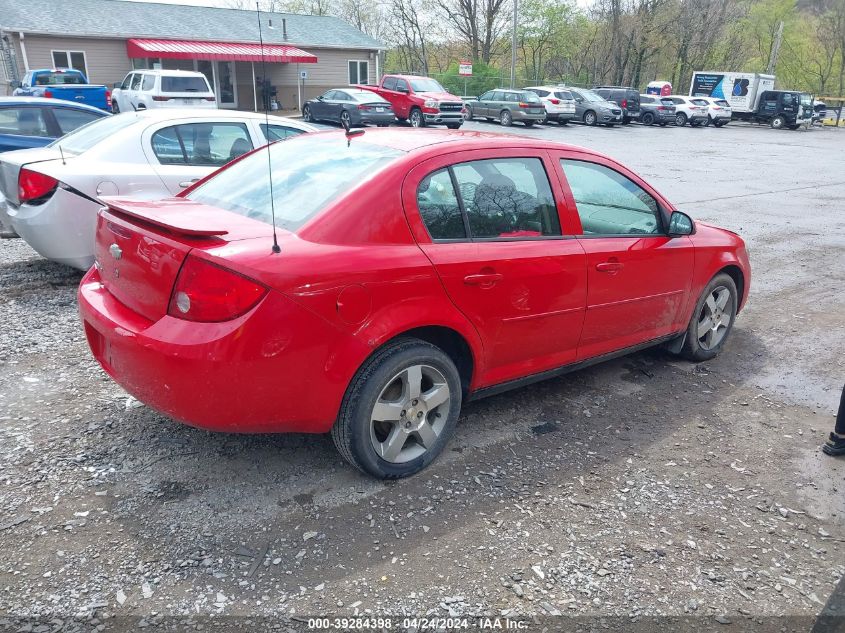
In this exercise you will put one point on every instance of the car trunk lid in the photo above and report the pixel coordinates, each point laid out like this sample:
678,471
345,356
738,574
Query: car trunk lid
11,164
141,245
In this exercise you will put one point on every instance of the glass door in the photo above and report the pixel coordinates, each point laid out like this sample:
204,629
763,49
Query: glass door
226,85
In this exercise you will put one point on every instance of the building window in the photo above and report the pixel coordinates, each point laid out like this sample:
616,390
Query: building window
359,72
71,59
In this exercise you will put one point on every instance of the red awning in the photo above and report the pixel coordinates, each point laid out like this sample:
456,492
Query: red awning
224,51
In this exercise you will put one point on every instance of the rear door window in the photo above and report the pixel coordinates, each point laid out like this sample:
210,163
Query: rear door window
564,94
70,119
149,83
23,122
201,144
609,203
389,83
280,132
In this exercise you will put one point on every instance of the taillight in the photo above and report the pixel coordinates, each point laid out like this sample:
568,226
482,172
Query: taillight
48,94
108,98
624,103
554,101
661,107
362,106
34,186
160,98
524,105
209,293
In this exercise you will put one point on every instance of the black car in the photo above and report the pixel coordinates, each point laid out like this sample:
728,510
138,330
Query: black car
349,106
656,109
625,97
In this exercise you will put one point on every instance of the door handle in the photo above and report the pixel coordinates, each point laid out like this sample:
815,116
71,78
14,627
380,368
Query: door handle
610,267
188,183
483,279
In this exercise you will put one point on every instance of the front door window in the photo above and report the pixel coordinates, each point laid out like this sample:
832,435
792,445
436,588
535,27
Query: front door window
226,85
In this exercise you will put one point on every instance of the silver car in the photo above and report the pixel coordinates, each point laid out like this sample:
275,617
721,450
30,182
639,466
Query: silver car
591,109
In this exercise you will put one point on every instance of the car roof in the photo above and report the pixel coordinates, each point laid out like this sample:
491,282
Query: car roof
155,115
412,140
7,101
168,73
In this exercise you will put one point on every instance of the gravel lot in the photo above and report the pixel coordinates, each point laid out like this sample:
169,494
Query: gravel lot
642,487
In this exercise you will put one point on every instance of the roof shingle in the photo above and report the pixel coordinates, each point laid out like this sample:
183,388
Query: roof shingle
124,19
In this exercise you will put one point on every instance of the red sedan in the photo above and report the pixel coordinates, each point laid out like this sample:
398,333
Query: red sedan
416,270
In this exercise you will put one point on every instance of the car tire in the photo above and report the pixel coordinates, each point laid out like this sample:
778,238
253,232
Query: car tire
709,121
115,109
720,123
453,126
528,123
718,300
416,118
695,123
388,383
468,114
626,121
680,119
345,119
306,114
778,123
505,118
590,118
648,119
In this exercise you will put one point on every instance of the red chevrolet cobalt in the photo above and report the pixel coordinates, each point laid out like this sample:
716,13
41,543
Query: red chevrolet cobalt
415,270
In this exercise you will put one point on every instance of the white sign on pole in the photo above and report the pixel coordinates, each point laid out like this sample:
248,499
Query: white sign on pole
465,68
303,74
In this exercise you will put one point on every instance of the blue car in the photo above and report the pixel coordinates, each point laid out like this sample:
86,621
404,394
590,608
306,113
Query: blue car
27,122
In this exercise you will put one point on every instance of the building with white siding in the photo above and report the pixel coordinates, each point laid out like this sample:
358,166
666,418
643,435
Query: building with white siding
305,55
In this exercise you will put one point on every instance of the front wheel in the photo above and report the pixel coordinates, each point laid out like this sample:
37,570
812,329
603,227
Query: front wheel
505,118
680,119
589,118
345,120
416,118
399,410
468,114
778,122
648,119
306,114
712,320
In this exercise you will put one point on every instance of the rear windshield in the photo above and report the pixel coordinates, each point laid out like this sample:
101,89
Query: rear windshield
698,102
84,138
723,103
667,102
563,94
54,79
366,96
529,97
308,174
183,84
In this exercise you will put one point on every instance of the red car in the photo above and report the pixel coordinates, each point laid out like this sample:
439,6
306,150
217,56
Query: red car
417,269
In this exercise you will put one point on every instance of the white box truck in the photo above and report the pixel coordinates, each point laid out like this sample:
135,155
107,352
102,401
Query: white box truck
741,90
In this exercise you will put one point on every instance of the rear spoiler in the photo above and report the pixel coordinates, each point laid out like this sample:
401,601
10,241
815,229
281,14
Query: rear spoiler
176,215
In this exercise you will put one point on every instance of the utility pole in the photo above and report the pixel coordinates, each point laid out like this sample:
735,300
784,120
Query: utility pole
773,58
513,47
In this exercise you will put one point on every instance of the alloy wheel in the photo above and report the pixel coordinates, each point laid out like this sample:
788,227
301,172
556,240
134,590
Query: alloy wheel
505,118
410,413
590,118
306,114
345,119
714,320
416,119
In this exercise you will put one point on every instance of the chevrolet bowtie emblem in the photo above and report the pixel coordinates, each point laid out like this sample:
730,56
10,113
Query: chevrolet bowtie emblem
115,251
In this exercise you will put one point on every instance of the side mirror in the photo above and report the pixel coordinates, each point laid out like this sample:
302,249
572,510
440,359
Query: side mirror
320,98
403,90
680,224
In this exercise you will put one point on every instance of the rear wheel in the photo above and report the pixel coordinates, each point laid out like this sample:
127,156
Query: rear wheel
680,119
416,118
590,117
712,320
505,118
648,119
778,122
399,410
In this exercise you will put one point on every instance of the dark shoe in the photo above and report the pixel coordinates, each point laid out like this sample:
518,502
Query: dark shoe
834,446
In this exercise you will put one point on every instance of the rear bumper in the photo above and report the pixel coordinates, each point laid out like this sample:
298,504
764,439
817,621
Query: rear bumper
560,116
376,118
270,370
519,115
62,229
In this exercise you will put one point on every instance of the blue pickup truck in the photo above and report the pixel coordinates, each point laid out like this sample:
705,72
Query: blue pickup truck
67,84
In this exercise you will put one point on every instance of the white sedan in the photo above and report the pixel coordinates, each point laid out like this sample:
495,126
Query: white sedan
52,192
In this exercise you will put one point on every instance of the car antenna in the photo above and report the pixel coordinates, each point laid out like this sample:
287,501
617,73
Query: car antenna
276,248
350,133
62,153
